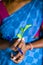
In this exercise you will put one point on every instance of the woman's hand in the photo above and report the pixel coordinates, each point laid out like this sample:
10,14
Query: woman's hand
19,44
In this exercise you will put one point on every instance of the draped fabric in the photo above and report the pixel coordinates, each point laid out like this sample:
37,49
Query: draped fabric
30,14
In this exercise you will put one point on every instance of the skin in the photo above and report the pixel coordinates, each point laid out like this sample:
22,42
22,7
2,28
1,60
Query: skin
14,6
19,42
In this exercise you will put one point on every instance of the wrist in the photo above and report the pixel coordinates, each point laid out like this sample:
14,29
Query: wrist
29,46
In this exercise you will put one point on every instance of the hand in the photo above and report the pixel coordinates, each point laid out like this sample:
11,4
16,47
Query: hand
20,44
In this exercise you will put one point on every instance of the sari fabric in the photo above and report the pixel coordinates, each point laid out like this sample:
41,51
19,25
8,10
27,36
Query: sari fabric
27,15
31,13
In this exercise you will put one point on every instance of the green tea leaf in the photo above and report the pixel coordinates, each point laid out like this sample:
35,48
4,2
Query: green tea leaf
19,35
22,29
26,27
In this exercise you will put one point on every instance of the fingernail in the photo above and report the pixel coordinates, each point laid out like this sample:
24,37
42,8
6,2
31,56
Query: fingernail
12,55
23,39
14,58
19,40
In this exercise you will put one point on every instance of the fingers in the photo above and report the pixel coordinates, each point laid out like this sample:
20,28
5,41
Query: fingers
17,42
18,58
18,55
12,55
21,43
13,47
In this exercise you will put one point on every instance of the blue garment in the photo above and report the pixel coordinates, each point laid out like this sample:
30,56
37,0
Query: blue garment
31,13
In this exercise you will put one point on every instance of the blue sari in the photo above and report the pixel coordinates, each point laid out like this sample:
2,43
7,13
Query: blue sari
31,13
